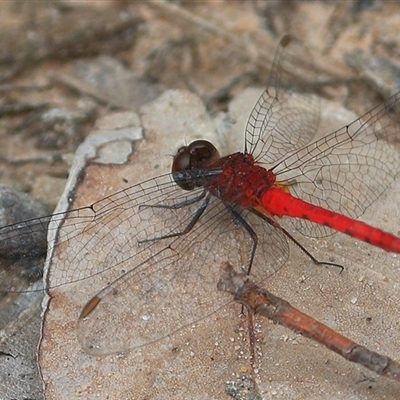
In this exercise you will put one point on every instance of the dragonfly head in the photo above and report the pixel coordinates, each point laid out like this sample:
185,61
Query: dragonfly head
197,155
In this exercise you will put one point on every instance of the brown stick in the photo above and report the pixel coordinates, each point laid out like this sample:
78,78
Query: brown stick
264,303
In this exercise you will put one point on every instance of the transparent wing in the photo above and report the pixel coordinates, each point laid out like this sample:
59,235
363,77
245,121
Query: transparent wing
159,283
177,285
282,120
349,169
164,285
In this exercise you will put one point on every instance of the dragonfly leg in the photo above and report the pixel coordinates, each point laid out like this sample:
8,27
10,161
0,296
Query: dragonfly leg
177,205
188,228
298,244
242,222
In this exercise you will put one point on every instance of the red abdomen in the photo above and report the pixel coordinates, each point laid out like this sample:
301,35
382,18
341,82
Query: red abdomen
276,202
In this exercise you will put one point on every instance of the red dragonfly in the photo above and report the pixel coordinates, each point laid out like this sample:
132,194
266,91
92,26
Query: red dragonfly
221,209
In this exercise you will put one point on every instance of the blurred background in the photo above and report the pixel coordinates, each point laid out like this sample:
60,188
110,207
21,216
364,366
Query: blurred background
64,64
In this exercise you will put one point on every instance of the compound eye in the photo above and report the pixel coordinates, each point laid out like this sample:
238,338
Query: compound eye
202,153
181,160
198,155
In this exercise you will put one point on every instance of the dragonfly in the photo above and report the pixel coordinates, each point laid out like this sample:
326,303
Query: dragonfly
141,243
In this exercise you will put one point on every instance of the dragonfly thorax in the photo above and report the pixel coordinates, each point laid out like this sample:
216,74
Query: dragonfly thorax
241,181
